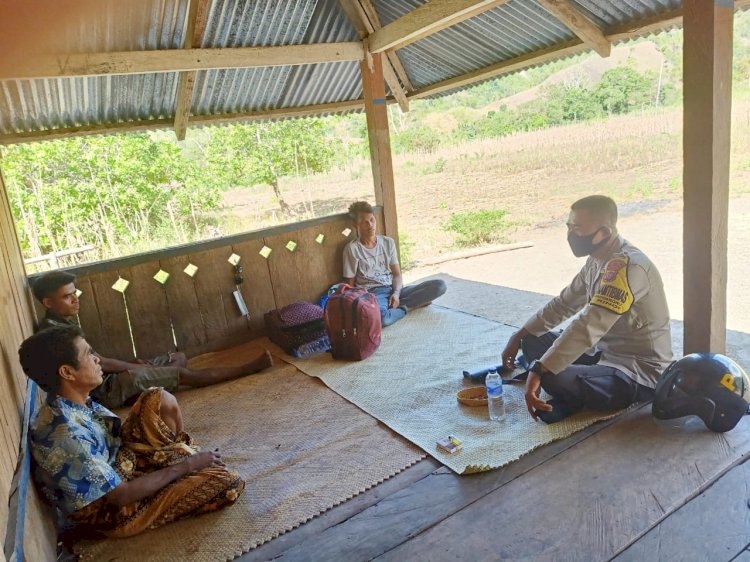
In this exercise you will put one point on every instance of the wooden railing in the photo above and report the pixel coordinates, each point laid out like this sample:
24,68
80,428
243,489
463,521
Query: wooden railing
199,313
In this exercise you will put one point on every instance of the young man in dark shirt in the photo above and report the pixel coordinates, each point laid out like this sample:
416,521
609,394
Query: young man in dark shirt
125,380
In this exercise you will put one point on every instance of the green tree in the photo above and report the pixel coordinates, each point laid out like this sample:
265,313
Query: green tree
114,192
421,138
622,89
571,102
263,153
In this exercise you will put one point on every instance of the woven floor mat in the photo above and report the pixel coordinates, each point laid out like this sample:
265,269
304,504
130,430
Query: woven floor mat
302,449
410,384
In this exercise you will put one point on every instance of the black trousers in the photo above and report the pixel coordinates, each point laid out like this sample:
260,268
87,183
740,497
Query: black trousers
585,384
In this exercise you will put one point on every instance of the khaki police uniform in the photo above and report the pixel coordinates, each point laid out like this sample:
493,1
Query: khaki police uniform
620,313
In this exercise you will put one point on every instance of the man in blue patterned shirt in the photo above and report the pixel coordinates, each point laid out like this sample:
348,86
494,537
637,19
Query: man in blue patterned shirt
75,447
114,478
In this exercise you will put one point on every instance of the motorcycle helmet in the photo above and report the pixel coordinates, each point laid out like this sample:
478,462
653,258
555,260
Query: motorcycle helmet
708,385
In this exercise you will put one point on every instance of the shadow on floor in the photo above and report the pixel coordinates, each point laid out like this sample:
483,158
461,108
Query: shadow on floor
513,307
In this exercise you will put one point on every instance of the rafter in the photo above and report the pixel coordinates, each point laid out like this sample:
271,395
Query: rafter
393,58
283,113
575,20
85,130
198,121
652,24
177,60
426,20
568,48
364,24
196,26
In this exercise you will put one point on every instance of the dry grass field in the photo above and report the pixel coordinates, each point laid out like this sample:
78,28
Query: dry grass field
637,159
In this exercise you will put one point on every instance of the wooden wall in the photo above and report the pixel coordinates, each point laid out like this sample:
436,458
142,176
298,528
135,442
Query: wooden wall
15,325
200,310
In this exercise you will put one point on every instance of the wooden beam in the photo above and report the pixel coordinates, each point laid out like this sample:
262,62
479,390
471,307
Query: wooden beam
352,10
575,20
174,60
380,142
196,26
707,78
646,26
400,70
185,89
201,120
392,57
426,20
566,49
283,113
83,130
362,22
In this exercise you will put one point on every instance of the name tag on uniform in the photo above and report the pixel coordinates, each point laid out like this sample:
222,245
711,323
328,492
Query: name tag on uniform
614,291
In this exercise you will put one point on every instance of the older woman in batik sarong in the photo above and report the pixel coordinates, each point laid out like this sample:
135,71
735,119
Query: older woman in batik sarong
114,478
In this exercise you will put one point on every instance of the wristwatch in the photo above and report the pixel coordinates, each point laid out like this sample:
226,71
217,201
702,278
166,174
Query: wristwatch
539,369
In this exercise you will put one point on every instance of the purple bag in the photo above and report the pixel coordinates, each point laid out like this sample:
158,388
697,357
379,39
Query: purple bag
295,325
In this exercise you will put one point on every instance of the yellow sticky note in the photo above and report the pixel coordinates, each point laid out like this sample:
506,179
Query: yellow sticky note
291,245
120,285
346,231
265,251
161,276
78,293
319,238
191,269
234,259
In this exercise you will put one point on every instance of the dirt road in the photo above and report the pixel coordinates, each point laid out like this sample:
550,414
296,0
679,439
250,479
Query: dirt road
516,283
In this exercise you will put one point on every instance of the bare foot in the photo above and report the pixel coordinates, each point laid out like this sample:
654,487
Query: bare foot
263,362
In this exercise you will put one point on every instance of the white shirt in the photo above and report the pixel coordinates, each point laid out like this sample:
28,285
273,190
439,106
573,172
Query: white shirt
370,267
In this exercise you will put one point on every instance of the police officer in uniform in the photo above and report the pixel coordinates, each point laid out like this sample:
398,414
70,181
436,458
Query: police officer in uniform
613,351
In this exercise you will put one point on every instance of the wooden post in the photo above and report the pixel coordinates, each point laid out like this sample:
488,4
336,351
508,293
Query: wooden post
376,111
707,123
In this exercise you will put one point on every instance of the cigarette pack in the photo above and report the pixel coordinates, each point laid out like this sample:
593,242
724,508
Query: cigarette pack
450,444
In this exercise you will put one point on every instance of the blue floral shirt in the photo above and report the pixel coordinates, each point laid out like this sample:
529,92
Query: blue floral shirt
75,447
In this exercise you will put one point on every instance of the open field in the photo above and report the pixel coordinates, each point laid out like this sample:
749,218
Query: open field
637,159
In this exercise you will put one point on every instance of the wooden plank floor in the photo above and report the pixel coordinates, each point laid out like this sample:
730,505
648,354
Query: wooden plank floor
713,526
588,497
411,501
627,489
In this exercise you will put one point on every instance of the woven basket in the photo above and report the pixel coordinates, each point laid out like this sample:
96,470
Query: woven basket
474,396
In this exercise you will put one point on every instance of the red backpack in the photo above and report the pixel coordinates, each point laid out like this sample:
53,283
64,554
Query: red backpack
352,318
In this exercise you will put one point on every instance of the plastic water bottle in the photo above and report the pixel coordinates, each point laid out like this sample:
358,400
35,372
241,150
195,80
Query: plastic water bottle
495,401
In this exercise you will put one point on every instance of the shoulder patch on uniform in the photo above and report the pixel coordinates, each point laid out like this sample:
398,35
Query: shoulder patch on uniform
614,292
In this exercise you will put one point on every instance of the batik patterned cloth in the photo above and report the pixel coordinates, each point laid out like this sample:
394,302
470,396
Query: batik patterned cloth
74,449
148,444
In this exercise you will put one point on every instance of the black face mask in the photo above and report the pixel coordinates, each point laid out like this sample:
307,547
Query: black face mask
584,245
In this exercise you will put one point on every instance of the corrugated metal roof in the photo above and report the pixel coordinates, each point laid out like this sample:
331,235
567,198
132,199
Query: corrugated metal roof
513,29
35,105
516,28
251,24
608,14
